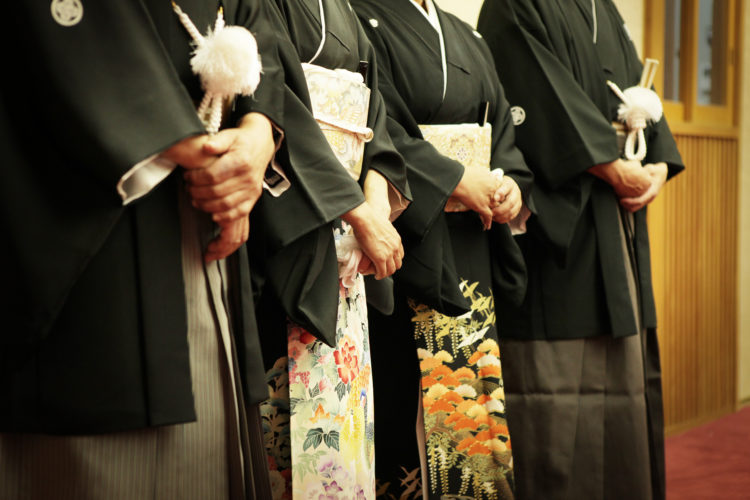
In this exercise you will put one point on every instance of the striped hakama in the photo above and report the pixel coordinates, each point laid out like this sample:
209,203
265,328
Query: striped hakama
201,460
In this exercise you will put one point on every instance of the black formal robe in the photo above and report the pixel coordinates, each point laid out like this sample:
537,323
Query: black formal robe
443,250
411,81
550,68
302,273
95,336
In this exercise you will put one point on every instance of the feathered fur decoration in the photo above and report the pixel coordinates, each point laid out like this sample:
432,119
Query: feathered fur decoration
227,62
640,105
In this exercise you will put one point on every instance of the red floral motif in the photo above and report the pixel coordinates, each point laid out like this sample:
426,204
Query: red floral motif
347,361
307,337
303,377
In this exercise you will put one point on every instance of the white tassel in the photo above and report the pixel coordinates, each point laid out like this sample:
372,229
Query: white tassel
227,62
348,254
639,107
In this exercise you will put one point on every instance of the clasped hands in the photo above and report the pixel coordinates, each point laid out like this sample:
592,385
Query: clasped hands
224,177
635,185
379,241
494,199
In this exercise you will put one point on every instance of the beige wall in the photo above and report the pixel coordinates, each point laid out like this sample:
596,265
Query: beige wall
468,10
631,10
743,298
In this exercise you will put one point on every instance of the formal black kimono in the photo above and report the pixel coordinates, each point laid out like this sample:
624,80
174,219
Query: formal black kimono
329,398
98,307
589,265
451,263
84,263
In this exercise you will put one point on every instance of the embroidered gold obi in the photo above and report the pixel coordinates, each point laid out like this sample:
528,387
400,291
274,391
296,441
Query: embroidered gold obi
468,143
340,103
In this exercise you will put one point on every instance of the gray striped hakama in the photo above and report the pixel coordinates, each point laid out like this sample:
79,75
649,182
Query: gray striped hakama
581,412
202,460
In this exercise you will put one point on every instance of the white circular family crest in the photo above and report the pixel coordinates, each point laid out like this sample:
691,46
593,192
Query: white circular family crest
67,12
518,114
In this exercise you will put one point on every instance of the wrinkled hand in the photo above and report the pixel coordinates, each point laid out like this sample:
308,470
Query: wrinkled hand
365,265
511,203
230,186
377,238
658,174
628,177
376,193
478,190
190,152
224,177
231,236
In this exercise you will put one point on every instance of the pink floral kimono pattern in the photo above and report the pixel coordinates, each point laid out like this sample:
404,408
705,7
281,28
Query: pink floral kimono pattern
319,420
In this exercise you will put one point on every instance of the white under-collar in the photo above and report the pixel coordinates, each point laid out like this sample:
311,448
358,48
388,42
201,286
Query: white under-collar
430,13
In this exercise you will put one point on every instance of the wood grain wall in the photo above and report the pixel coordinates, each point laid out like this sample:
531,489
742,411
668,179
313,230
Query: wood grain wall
693,230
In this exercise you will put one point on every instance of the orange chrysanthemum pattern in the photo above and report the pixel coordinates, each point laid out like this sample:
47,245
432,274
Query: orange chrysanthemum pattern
468,445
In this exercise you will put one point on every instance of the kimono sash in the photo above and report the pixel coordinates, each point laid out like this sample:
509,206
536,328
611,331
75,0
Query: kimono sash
340,102
468,143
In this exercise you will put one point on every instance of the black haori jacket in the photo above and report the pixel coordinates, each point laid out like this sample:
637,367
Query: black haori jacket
94,336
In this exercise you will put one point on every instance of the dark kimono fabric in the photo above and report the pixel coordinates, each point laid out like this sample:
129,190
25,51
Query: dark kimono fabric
411,81
579,262
345,47
443,250
551,68
302,274
95,334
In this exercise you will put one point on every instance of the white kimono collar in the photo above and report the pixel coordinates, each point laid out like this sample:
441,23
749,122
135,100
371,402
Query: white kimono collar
432,17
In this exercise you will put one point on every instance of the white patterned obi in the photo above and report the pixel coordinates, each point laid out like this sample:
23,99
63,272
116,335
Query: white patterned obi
468,143
340,103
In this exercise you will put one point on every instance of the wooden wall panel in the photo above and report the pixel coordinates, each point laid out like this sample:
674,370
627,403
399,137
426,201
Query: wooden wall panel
693,231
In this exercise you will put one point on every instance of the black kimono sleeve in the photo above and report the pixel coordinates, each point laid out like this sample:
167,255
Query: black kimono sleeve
380,153
509,274
321,189
564,132
268,98
292,246
432,177
505,154
67,139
